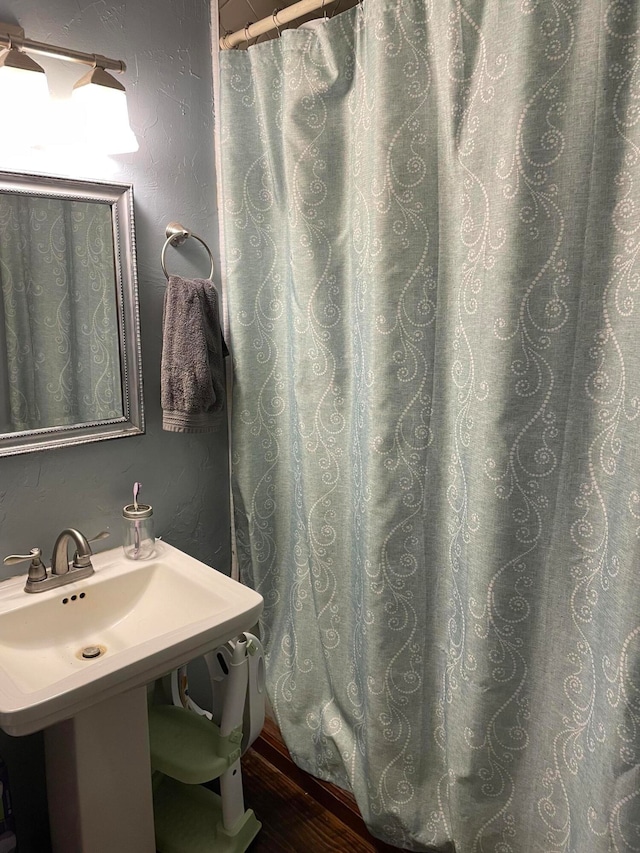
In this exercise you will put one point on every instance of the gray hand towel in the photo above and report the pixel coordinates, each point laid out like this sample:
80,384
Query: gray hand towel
193,350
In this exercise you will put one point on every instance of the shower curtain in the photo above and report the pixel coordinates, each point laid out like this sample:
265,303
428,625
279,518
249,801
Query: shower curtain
60,314
432,227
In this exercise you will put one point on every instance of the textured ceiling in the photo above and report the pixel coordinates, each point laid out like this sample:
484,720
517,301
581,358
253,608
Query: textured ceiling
236,14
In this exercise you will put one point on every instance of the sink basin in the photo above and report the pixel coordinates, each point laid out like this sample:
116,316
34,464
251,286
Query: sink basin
142,618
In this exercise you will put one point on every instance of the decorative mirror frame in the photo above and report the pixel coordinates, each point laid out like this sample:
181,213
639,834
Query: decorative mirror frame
120,199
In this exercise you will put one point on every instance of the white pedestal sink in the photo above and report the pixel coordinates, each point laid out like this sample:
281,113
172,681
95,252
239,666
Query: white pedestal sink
146,618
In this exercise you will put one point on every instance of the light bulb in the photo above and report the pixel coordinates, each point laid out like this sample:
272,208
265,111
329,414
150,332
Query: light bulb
24,96
100,103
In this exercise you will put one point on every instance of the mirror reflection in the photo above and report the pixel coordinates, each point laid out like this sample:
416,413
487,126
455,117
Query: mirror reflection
70,367
60,320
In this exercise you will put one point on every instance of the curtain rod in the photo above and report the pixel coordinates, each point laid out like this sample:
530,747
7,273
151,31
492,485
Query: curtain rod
273,22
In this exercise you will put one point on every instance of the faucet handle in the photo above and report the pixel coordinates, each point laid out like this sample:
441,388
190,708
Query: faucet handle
81,561
34,555
37,569
104,534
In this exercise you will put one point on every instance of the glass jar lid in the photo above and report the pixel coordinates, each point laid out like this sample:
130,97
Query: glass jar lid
143,511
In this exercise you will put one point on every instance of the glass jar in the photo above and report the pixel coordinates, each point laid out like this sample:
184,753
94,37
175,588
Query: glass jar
138,539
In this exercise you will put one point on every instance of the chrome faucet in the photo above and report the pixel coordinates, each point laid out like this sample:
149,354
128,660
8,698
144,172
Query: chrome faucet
62,572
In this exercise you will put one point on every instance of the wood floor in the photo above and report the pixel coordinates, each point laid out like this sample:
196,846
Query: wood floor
299,814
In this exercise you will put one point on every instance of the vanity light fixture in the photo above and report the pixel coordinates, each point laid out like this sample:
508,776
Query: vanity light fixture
98,99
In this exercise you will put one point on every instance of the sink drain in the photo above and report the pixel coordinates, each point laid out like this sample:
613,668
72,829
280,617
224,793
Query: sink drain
91,652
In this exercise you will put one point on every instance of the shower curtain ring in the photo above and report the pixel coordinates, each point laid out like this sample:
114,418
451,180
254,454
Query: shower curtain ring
247,37
274,18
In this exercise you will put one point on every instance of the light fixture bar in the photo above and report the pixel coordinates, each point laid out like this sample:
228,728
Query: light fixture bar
13,36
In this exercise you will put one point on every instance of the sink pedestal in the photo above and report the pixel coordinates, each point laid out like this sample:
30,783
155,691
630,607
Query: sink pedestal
99,778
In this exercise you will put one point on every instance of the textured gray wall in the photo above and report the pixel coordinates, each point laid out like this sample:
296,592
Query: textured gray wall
166,45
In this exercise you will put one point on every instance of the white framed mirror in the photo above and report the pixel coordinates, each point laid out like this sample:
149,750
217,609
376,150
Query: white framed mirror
70,365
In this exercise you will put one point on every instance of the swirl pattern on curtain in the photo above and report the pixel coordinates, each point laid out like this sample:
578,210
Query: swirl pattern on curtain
432,230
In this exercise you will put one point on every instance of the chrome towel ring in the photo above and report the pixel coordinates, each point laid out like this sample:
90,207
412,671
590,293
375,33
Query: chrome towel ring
176,235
